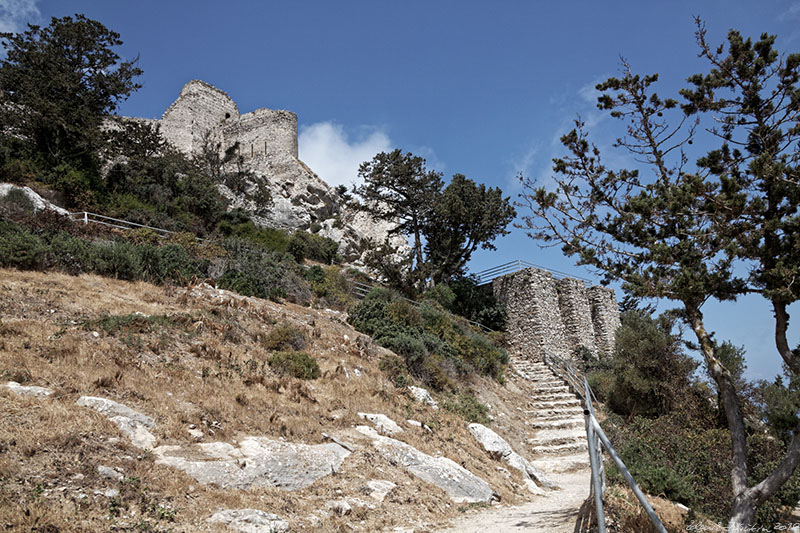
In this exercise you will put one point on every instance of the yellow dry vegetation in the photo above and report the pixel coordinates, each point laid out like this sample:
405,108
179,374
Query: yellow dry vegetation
196,357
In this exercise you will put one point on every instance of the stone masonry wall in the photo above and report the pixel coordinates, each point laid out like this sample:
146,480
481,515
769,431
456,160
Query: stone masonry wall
576,313
534,320
200,108
264,131
546,315
605,316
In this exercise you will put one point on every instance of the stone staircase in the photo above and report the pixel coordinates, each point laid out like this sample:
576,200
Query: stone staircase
558,442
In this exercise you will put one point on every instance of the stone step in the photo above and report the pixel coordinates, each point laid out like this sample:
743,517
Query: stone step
572,401
566,423
564,464
554,411
554,417
544,389
557,436
554,396
560,449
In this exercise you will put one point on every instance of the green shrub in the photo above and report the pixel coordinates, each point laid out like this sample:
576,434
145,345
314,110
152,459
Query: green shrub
433,343
395,369
468,407
70,254
120,260
441,294
285,337
20,248
304,245
17,198
330,286
254,272
296,364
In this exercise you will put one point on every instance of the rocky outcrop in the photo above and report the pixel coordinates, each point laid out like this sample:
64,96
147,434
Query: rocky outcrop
250,521
384,424
27,390
501,450
203,116
38,202
135,425
256,462
459,483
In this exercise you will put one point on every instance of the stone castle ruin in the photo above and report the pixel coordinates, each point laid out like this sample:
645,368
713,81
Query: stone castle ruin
556,316
203,116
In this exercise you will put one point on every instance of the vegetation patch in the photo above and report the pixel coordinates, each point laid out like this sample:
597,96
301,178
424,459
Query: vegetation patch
296,364
285,337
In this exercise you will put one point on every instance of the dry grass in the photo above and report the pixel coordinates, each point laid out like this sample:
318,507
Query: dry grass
204,363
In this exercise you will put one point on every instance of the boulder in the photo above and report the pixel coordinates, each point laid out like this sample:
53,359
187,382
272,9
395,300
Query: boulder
501,450
422,395
135,425
378,489
27,390
385,425
256,462
459,483
250,521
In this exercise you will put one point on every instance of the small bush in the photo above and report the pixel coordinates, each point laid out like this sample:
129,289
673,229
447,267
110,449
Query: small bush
468,407
395,369
330,286
304,245
17,198
285,337
296,364
20,248
120,260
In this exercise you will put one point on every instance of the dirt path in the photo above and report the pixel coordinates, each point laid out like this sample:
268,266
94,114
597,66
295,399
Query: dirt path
554,512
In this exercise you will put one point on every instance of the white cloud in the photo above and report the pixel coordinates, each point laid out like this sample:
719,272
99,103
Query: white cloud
14,14
329,151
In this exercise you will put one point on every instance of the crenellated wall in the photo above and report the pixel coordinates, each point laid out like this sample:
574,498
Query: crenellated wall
546,315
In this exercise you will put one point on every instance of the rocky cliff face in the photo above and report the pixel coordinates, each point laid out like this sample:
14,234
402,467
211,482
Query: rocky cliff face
204,116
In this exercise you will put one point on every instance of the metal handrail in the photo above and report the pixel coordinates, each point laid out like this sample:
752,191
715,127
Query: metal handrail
489,274
597,437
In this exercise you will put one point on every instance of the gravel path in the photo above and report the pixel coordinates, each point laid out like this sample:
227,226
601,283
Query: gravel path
554,512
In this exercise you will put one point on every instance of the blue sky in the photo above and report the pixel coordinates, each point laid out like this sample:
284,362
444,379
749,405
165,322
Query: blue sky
481,88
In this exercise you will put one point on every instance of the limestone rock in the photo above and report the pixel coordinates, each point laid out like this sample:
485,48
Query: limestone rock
423,396
256,462
340,507
250,521
385,425
38,202
459,483
110,473
267,141
501,450
133,424
378,489
27,390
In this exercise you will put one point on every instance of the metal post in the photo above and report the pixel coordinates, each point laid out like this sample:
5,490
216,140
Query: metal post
597,486
598,450
628,477
85,217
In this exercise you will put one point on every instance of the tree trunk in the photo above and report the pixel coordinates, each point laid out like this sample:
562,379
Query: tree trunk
743,513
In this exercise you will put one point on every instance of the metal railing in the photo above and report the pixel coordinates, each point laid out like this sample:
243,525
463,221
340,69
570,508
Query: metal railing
598,441
485,276
95,218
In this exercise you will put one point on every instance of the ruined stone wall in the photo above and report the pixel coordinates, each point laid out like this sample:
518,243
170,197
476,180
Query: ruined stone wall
265,131
534,324
576,313
605,317
200,108
546,315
